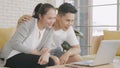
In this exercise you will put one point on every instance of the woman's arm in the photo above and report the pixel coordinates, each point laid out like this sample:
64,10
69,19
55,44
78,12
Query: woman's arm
20,36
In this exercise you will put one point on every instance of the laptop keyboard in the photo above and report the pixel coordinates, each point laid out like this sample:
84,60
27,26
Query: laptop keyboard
89,62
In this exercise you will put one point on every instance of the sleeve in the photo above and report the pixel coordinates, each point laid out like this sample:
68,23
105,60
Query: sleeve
47,39
19,37
71,37
49,44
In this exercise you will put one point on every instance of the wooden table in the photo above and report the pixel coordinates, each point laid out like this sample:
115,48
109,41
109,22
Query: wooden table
116,63
112,65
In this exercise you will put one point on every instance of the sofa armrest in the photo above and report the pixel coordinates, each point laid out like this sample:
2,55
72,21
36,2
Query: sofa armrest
5,34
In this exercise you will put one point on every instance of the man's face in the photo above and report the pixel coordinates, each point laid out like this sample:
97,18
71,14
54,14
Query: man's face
66,20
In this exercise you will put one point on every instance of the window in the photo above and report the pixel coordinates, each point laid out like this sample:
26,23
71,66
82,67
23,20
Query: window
104,2
94,17
104,16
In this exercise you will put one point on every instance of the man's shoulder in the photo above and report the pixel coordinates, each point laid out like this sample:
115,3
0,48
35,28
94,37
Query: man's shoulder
70,29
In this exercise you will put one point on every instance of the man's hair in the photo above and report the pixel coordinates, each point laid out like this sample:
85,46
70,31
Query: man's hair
66,8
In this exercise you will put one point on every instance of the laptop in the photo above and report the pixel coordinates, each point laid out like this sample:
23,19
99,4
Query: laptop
105,54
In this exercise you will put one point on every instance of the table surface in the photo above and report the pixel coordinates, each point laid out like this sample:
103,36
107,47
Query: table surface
112,65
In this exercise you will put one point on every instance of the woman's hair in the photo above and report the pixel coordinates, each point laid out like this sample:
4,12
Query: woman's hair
41,9
66,8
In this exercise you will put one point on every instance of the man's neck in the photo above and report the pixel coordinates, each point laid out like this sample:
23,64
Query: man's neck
57,25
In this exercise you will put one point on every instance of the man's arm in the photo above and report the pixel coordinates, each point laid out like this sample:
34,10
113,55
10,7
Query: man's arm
24,18
73,50
73,41
75,47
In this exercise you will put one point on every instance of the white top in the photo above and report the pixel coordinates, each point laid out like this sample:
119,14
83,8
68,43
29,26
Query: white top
60,36
32,41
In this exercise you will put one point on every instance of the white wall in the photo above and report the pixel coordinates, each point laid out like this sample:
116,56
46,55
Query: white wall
11,10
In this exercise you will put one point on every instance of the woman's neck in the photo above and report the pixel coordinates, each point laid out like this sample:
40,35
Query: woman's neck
40,25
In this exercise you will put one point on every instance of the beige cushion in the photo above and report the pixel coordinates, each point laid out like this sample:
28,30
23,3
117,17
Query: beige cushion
96,42
112,35
5,34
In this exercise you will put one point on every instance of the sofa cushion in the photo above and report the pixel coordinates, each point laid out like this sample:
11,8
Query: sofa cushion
112,35
5,34
96,42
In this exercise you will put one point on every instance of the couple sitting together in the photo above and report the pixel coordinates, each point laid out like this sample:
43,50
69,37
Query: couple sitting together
38,38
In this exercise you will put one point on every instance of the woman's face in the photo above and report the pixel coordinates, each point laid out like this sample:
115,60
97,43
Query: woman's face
49,18
66,20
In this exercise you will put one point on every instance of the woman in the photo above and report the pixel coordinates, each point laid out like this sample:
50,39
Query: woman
29,47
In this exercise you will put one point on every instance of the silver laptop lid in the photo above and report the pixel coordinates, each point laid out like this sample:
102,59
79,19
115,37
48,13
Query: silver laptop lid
106,52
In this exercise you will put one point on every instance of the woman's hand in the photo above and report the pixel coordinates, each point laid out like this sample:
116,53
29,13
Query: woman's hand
24,18
35,52
44,58
44,50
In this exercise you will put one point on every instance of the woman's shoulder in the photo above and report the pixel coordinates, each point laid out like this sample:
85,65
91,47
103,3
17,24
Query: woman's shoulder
29,23
32,21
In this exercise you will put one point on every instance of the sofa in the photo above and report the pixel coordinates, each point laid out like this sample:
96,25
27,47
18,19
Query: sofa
5,34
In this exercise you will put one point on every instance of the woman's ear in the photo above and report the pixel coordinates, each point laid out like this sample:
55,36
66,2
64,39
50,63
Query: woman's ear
40,16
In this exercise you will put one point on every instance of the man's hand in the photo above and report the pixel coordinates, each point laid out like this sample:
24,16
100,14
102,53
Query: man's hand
64,58
75,50
56,59
44,58
24,18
